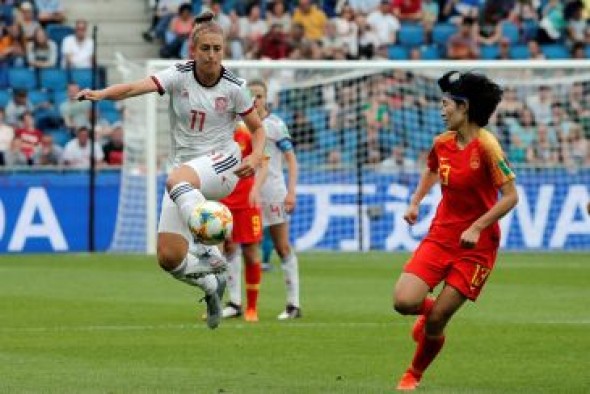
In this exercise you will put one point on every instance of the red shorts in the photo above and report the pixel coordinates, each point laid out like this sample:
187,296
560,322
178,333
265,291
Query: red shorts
247,225
464,269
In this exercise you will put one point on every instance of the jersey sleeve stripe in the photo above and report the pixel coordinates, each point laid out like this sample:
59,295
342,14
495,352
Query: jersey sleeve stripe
247,111
161,90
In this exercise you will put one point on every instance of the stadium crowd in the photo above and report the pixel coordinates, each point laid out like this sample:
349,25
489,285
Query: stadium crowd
386,121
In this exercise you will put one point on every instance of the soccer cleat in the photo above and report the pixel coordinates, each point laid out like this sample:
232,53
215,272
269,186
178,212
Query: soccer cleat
290,312
213,300
267,267
409,381
210,258
232,310
418,329
251,315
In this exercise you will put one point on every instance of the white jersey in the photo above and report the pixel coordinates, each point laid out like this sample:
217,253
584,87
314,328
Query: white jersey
202,118
278,141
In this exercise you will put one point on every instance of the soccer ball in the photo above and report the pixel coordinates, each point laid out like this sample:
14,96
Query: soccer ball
211,223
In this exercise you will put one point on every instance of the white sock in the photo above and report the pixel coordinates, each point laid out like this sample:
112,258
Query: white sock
234,277
291,273
186,198
189,271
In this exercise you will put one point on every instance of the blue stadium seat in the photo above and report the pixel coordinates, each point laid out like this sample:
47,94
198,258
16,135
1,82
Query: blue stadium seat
489,52
37,97
22,78
519,52
53,79
82,77
511,32
318,117
111,116
530,30
429,52
397,52
411,35
59,97
61,136
441,32
58,32
106,105
588,51
5,96
555,51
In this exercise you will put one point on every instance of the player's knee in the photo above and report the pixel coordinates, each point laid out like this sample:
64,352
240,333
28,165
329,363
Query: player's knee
404,305
168,258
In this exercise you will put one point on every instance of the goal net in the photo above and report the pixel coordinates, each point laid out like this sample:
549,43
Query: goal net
362,131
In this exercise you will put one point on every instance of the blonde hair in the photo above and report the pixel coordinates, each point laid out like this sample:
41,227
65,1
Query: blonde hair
204,23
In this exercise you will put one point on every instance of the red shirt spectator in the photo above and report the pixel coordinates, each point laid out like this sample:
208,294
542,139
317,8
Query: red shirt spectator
30,136
408,10
274,44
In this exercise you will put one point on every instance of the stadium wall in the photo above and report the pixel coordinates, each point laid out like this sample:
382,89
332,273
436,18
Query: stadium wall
47,211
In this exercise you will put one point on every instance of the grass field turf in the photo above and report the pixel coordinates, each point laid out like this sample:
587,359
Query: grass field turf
116,324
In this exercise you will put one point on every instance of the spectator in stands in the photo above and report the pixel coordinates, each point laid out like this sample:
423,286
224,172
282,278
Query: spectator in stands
114,148
274,44
12,50
77,49
14,156
359,6
220,17
75,113
47,153
523,11
397,160
368,40
560,121
302,48
347,31
408,10
252,28
50,11
464,44
517,152
576,149
17,105
552,24
77,151
542,151
178,32
541,104
384,23
311,18
578,50
525,127
490,28
455,11
334,160
430,15
376,111
510,106
41,51
333,48
164,11
6,135
29,135
302,132
503,49
535,52
27,22
235,44
578,107
277,14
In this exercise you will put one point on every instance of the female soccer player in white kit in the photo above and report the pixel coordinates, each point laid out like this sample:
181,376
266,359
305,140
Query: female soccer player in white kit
205,100
278,197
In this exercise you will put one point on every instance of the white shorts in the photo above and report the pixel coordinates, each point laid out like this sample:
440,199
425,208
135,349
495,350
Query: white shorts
273,213
216,172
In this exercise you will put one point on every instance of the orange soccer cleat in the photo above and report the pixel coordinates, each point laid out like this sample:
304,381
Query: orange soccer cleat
409,381
251,315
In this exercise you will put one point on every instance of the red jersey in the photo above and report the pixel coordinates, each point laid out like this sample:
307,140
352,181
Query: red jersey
238,199
470,179
407,6
31,139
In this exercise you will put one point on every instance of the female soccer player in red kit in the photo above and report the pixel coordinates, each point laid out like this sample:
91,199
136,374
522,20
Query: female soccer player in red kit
462,242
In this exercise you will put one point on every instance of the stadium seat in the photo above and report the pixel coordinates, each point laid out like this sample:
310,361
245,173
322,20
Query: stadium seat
529,30
555,51
511,32
397,52
318,117
519,52
106,105
429,52
53,79
22,78
588,51
111,116
489,52
411,35
46,118
441,33
59,97
58,32
37,97
5,96
61,136
82,77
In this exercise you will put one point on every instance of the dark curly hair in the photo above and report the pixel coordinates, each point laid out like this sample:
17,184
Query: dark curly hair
481,93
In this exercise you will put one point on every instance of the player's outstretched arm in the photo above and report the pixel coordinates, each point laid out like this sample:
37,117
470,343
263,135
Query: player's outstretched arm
252,162
293,174
507,201
119,91
427,180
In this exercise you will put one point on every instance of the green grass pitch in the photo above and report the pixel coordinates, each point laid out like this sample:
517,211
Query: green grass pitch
116,324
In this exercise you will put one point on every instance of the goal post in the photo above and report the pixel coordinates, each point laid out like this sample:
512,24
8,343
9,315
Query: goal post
361,130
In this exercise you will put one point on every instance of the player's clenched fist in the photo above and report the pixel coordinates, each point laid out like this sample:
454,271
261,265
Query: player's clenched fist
411,214
88,94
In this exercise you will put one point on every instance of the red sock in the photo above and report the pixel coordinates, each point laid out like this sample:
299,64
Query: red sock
253,274
426,306
428,348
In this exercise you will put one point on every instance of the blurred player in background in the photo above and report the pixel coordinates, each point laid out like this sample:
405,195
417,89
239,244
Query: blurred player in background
244,203
462,242
278,197
204,101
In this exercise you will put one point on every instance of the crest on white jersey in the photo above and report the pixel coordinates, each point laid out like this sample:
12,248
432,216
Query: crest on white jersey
221,104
